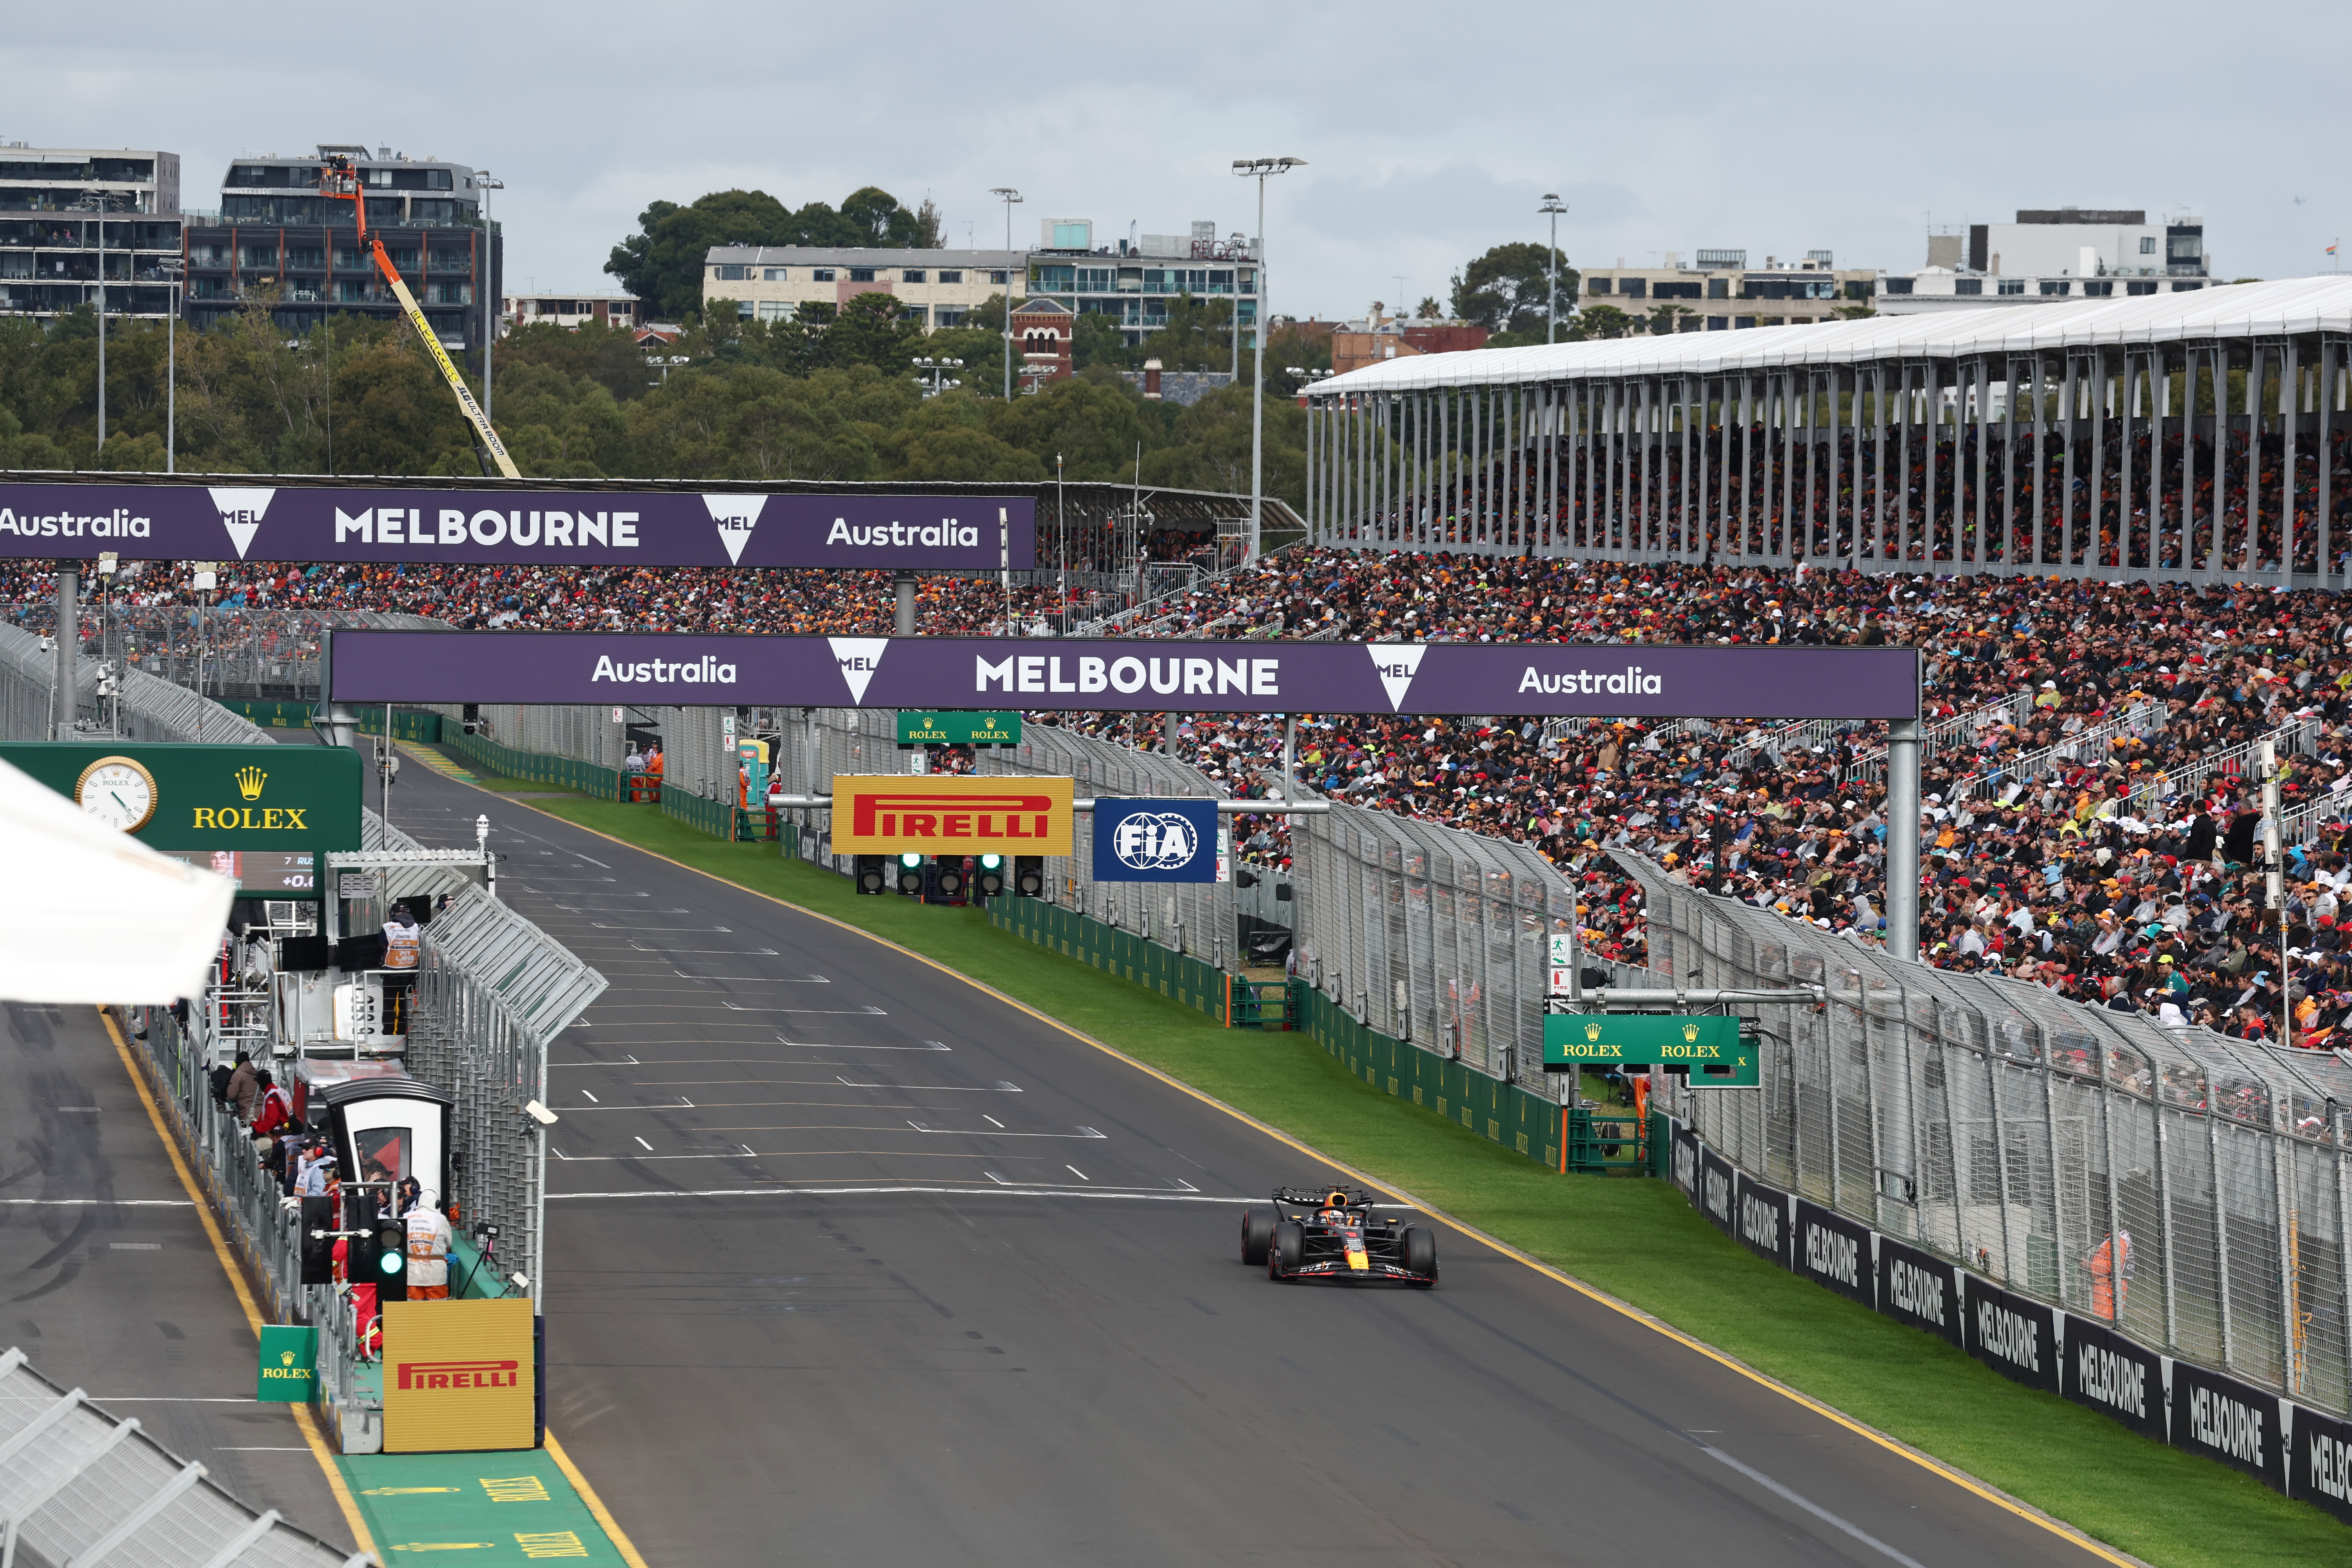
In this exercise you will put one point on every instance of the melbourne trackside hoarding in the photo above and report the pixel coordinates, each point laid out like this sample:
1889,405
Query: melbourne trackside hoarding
1050,674
1917,1288
1718,1181
1686,1160
1833,1252
2224,1419
2014,1335
528,526
896,814
458,1376
2319,1461
1761,1216
2113,1376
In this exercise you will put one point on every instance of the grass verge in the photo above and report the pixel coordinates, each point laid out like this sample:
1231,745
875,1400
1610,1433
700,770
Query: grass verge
1637,1240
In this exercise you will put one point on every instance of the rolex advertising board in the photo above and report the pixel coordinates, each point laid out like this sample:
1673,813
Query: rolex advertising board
263,816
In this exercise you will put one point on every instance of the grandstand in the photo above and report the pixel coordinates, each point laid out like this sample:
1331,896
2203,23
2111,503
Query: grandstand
2183,435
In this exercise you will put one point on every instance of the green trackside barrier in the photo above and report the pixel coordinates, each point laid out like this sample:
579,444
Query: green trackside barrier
1186,979
1501,1112
407,723
716,817
537,767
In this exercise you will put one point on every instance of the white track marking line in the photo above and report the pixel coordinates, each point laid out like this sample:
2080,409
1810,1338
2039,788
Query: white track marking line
991,1121
647,1147
592,1099
1076,1172
1003,1189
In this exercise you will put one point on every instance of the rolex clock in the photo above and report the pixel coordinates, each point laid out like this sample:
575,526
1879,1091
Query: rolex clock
118,792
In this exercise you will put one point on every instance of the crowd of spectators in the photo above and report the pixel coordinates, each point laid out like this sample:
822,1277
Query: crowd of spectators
2089,805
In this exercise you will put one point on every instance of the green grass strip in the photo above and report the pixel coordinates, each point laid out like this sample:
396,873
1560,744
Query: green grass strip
1636,1239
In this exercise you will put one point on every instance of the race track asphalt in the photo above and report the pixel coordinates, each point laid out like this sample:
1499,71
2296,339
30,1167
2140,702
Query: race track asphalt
853,1263
110,1282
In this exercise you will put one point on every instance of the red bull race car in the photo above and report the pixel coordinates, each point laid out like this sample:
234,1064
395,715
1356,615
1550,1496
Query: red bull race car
1332,1233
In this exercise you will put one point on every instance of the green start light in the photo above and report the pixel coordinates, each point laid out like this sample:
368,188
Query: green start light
911,862
991,862
389,1262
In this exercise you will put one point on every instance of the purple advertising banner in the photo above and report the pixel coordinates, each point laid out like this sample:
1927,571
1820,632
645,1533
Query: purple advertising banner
516,527
1070,674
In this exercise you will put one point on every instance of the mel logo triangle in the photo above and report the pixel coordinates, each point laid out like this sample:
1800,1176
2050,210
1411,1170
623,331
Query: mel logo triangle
1396,664
859,658
736,517
240,512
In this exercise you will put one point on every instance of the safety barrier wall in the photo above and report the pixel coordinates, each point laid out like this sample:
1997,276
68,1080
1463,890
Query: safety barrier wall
2171,1187
1494,1109
2289,1445
418,725
704,814
539,767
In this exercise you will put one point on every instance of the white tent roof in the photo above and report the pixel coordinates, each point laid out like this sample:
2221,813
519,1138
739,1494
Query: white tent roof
2228,310
97,916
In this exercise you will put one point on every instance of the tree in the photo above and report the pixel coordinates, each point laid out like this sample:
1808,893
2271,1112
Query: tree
1429,310
1198,336
1506,289
927,227
1288,347
1665,319
1096,338
1602,321
662,262
610,356
1853,312
869,331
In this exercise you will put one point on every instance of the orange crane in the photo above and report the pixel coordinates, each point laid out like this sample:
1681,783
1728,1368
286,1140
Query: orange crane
339,179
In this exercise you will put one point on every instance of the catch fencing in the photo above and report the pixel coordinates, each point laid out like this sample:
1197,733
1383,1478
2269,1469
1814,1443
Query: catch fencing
1432,935
2186,1189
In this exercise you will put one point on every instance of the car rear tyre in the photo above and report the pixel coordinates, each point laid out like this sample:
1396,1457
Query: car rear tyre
1419,1251
1288,1248
1257,1235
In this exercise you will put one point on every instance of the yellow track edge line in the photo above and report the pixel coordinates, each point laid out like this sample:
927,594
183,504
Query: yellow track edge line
1891,1444
304,1416
596,1508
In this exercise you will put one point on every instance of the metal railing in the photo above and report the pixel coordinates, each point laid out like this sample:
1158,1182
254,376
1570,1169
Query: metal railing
1989,1122
2085,744
2295,737
78,1485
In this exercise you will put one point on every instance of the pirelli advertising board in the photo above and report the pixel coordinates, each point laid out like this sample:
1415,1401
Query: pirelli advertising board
458,1376
927,814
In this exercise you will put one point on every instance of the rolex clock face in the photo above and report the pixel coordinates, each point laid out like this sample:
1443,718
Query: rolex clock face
118,791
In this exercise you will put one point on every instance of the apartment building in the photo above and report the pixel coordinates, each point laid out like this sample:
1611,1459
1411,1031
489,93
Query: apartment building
276,241
934,289
570,311
1137,279
73,216
1722,293
2052,255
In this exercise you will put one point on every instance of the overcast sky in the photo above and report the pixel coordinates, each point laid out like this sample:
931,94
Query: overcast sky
1430,132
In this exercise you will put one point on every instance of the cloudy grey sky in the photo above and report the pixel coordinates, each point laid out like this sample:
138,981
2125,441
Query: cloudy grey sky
1431,132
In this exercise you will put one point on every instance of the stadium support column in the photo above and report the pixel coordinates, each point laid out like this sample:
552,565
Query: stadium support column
904,583
1903,840
64,699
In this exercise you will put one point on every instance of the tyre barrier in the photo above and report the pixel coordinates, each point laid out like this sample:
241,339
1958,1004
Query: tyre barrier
2302,1453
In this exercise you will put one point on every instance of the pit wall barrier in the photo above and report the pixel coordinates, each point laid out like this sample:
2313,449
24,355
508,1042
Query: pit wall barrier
407,723
538,767
2302,1453
716,817
1495,1109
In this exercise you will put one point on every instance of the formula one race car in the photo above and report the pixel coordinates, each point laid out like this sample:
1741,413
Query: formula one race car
1331,1233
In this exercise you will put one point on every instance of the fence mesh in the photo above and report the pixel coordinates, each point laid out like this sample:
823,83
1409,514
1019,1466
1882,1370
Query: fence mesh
2182,1185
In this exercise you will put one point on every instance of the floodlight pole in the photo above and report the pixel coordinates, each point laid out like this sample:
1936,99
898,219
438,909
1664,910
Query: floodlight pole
1903,840
1008,195
1554,206
1258,169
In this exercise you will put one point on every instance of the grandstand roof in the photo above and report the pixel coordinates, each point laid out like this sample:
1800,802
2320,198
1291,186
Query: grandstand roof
2230,310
